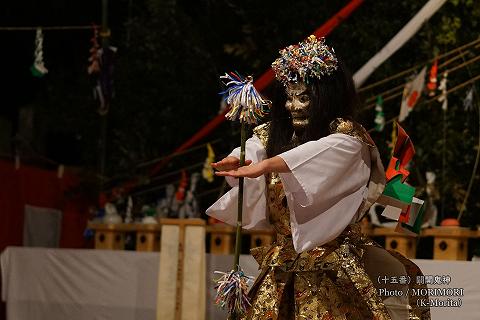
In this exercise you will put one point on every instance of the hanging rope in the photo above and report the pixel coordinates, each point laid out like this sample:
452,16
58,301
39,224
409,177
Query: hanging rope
475,167
409,70
263,80
171,173
209,191
374,98
458,87
401,86
186,151
199,164
477,158
399,93
46,28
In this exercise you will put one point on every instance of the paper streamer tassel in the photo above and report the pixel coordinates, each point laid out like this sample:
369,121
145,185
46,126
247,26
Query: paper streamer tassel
232,289
246,104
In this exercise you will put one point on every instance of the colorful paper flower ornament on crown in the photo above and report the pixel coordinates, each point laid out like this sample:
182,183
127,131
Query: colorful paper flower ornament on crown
246,104
305,61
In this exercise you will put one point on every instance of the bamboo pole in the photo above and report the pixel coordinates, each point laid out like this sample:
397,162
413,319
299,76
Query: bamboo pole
102,142
238,236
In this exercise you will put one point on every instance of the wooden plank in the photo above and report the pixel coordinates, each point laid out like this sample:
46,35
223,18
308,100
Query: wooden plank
178,271
124,227
193,285
169,254
454,232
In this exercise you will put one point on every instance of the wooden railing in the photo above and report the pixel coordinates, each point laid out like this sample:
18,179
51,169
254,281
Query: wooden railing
450,243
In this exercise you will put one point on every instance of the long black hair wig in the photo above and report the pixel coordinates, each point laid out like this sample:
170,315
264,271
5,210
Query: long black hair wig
331,97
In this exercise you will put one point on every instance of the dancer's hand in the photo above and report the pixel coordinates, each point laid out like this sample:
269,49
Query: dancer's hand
229,163
230,167
248,171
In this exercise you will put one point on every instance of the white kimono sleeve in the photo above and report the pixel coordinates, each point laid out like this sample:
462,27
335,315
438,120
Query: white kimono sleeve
325,188
254,197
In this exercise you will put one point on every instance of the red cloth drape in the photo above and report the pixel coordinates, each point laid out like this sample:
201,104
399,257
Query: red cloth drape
42,188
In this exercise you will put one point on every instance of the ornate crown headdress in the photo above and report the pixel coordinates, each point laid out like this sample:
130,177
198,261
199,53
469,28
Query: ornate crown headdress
308,59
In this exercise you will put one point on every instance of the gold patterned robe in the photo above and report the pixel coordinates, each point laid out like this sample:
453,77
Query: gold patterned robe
342,279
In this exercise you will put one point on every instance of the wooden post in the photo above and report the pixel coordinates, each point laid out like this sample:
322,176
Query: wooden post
366,227
402,243
260,238
109,236
148,237
221,238
450,243
181,277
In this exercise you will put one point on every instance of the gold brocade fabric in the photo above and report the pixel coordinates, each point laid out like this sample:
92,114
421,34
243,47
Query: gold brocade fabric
352,129
328,282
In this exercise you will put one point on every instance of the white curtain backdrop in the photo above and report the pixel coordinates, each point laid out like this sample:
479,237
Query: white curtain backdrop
54,284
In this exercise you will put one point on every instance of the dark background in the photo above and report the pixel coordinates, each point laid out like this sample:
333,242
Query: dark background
170,55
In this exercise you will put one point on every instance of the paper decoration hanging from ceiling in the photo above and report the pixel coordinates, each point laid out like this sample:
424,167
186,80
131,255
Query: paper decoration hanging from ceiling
94,59
207,171
182,186
379,115
100,68
411,93
468,101
443,88
189,207
38,68
432,79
